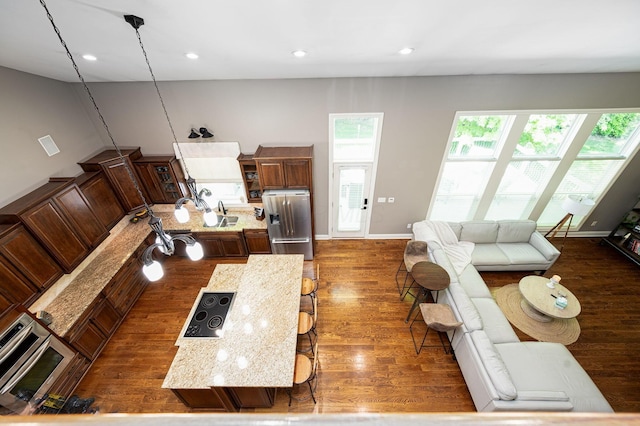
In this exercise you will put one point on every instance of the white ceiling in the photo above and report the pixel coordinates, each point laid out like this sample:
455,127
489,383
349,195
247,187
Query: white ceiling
253,39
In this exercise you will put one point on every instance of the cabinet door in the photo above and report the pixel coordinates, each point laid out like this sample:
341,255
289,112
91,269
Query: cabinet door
297,174
56,234
106,317
89,340
233,245
151,182
271,174
122,183
13,286
81,216
28,256
257,241
211,245
103,200
126,287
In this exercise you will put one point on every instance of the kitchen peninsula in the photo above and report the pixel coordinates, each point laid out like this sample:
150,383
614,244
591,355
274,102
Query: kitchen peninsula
256,352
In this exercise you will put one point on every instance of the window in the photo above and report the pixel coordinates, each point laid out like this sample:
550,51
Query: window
214,166
524,164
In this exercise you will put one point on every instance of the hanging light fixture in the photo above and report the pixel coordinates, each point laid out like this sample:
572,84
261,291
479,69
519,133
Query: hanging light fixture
181,213
164,242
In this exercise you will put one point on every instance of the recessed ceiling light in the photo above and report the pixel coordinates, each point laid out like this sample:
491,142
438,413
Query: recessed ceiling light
299,53
191,55
406,51
89,57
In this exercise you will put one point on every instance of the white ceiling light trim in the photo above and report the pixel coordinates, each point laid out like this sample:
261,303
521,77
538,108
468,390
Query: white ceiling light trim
299,53
406,50
89,57
191,55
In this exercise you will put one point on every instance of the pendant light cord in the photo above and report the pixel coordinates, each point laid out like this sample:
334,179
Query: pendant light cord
95,106
166,114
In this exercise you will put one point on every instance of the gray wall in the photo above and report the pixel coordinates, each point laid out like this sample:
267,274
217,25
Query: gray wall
417,121
32,107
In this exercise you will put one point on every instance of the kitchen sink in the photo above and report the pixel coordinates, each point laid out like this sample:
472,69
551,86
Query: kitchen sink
226,221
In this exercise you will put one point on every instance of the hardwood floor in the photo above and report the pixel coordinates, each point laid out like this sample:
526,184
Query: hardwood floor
367,359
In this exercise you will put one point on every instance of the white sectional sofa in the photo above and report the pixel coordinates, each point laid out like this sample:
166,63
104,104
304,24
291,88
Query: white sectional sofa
501,372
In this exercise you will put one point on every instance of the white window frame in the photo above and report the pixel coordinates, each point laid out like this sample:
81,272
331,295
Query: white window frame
568,154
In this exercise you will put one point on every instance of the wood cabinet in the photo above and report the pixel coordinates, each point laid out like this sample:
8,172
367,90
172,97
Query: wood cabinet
626,236
127,285
96,189
95,328
14,288
162,177
257,241
222,244
117,169
60,218
26,255
251,178
284,167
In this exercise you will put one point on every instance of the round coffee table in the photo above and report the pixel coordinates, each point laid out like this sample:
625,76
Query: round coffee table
430,277
539,301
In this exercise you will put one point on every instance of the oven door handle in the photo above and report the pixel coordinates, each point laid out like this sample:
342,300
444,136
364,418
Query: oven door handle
16,341
26,367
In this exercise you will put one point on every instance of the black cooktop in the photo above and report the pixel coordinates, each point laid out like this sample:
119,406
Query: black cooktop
210,315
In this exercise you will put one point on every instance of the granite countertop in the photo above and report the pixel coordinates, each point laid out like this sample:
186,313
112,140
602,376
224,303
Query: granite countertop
260,334
72,294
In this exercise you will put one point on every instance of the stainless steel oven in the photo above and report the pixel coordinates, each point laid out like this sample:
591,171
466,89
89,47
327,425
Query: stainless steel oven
31,359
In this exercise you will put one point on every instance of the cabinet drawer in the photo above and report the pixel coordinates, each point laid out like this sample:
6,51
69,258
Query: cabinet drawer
125,288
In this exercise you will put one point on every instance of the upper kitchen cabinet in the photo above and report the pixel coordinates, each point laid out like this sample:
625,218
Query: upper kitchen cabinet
115,169
26,255
97,190
59,216
250,177
162,177
284,167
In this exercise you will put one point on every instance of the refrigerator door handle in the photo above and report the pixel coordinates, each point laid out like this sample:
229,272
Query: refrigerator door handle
288,241
292,227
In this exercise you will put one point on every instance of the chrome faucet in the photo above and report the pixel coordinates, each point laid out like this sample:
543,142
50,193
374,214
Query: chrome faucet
221,207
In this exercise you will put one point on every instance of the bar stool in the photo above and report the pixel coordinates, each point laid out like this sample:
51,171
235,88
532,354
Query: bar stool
438,317
309,288
414,252
307,327
305,371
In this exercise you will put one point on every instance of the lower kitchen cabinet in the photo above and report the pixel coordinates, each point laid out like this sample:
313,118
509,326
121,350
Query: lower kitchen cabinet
96,327
257,241
222,244
127,285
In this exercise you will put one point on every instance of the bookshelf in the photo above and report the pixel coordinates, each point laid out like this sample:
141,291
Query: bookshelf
626,236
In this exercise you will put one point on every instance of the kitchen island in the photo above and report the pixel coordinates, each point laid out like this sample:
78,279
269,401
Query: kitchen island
256,353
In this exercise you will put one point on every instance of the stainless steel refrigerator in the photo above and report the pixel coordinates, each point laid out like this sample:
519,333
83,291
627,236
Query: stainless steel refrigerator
288,216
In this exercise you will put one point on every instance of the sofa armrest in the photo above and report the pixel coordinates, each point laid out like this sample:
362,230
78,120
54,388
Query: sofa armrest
543,245
542,396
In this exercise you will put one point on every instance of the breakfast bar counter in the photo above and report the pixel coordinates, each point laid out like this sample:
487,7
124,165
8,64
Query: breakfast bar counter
256,351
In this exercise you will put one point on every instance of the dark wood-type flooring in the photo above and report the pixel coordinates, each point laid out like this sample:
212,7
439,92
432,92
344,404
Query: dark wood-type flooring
367,359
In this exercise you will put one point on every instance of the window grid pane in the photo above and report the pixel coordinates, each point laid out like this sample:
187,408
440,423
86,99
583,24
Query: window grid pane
478,136
355,139
545,135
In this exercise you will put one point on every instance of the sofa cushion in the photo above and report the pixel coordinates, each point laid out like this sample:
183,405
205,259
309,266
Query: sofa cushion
473,283
515,231
494,365
544,366
489,254
495,323
480,231
521,253
468,312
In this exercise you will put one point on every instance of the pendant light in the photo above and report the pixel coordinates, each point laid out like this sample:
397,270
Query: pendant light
152,269
197,197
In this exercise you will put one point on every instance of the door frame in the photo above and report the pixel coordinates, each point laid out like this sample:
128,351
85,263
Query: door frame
374,168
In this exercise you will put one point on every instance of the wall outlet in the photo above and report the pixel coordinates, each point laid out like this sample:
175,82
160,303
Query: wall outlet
594,223
408,226
391,200
382,200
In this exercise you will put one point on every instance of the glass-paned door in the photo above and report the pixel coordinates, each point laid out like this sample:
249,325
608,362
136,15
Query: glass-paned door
352,186
353,152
